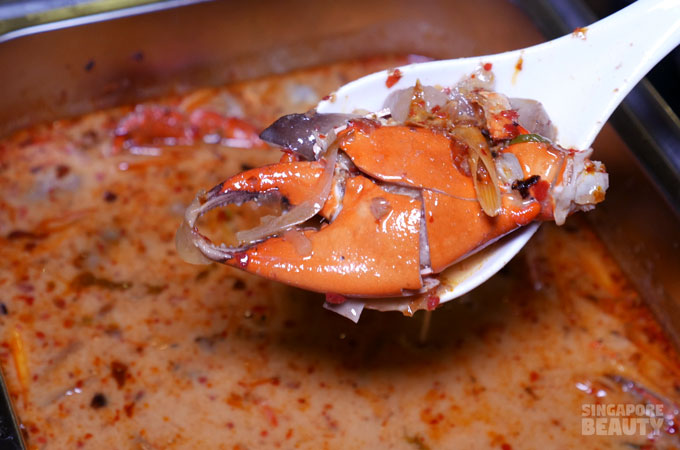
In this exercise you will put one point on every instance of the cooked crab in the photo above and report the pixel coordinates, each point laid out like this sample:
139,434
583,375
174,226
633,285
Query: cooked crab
378,204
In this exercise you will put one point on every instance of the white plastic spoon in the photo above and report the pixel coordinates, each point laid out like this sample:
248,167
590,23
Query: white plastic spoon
579,78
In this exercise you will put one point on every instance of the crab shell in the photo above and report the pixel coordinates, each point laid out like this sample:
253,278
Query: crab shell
401,210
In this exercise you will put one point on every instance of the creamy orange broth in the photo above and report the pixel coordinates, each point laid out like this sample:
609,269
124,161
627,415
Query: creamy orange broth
110,340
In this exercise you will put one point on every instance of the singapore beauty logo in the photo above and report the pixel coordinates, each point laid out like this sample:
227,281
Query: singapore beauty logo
621,419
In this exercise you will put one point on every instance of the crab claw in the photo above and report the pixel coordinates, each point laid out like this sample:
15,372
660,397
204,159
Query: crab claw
386,208
371,248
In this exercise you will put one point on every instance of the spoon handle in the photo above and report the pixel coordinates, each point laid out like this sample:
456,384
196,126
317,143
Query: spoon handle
594,68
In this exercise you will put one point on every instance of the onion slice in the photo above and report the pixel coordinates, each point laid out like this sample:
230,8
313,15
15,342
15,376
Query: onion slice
482,168
508,168
301,243
299,213
187,250
400,102
533,117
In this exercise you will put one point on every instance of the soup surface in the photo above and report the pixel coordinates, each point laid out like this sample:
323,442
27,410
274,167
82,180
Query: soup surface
110,340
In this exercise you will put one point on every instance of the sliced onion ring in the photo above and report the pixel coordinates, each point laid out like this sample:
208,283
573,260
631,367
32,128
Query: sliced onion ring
486,185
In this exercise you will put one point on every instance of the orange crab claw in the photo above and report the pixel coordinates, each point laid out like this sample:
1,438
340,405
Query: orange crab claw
401,206
379,257
360,253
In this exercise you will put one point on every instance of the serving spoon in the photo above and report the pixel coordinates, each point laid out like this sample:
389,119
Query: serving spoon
579,78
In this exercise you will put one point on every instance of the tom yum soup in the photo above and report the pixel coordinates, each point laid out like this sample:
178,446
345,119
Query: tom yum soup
110,340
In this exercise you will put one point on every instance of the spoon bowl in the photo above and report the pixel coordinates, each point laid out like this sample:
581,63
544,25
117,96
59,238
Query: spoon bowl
579,78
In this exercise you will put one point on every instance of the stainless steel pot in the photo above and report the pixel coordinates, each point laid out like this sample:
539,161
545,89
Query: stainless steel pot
80,65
